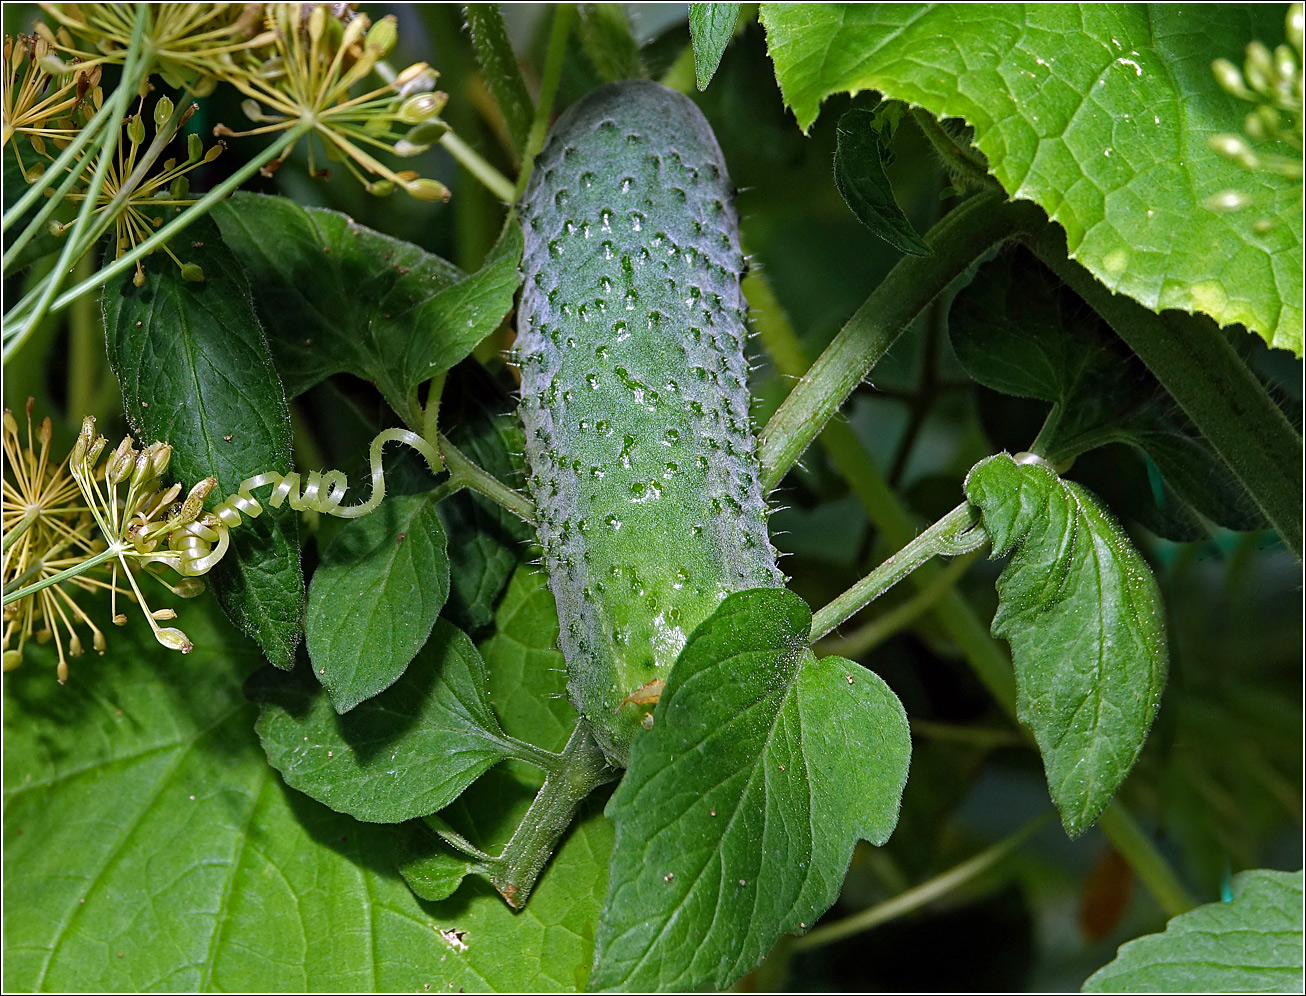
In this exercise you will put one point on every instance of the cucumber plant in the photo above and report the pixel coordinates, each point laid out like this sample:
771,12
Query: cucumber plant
550,710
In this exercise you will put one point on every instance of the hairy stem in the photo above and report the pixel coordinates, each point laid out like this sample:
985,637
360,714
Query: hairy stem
957,242
878,630
581,769
956,533
465,474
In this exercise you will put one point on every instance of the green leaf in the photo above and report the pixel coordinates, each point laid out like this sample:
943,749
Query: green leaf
408,752
141,819
487,540
604,31
1086,625
1101,114
1252,944
432,869
711,25
1044,342
498,64
375,597
859,175
737,817
195,372
338,297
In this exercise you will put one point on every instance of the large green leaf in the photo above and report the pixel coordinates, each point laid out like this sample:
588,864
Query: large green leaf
195,371
336,296
148,845
737,817
1086,626
408,752
375,597
1045,342
1100,113
1251,944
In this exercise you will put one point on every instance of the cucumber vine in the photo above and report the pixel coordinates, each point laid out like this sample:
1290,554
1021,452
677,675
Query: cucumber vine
556,676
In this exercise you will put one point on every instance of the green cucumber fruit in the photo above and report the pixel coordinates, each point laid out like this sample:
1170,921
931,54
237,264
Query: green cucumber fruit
634,395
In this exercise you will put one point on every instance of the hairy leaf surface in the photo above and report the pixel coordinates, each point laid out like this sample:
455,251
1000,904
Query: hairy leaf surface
195,372
1086,625
711,25
1252,944
737,818
1101,114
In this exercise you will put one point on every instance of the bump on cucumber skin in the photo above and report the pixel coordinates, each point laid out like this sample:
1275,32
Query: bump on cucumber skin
634,392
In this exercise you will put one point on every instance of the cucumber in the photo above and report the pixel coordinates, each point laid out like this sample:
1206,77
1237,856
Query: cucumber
634,396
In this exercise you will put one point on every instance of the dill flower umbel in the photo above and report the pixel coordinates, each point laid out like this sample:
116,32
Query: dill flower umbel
83,526
304,77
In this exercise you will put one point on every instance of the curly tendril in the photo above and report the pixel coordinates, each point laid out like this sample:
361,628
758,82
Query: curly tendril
198,543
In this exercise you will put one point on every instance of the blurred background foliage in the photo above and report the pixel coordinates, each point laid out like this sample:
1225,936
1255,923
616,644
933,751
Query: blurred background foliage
1219,783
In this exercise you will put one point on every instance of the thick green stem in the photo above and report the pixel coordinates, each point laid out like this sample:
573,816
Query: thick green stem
956,533
917,897
1204,374
563,16
957,242
581,769
957,158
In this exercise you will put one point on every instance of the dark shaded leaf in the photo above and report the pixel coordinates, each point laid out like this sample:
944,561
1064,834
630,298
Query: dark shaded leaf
338,297
195,372
859,175
1042,341
486,541
1084,618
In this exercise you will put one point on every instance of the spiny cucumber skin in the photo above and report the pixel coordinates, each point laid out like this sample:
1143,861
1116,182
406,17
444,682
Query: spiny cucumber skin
634,393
